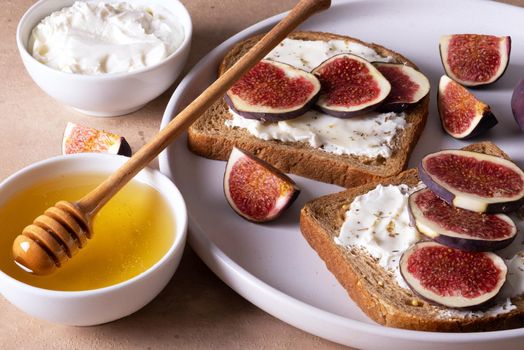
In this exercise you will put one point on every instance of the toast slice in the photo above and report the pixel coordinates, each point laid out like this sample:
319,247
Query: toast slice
374,289
211,138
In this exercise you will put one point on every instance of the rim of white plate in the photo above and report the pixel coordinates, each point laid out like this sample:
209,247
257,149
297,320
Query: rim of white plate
217,260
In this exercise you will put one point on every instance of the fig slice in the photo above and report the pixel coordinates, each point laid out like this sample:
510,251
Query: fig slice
351,86
452,277
256,190
517,104
81,139
474,181
273,91
459,228
462,115
475,59
408,86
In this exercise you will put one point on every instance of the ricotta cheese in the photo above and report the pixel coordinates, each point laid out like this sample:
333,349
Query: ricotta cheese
370,136
93,37
308,54
378,222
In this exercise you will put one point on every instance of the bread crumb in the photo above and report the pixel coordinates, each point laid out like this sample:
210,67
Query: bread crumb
415,302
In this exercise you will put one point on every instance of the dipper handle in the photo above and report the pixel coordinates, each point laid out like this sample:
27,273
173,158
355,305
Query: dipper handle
101,194
54,237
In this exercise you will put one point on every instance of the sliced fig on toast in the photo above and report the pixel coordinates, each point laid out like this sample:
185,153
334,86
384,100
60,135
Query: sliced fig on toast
82,139
475,59
459,228
517,104
408,86
474,181
273,91
351,86
462,115
452,277
256,190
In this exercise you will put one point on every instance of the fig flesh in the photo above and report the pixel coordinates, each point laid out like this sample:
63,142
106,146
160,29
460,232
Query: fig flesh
452,277
256,190
408,86
517,104
351,86
474,181
462,115
459,228
273,91
475,59
82,139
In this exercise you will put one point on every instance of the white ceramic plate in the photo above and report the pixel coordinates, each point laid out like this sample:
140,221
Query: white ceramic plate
271,265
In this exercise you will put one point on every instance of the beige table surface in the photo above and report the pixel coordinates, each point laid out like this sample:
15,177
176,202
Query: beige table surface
196,310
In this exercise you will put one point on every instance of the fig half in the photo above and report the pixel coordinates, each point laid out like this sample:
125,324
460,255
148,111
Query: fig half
474,181
462,115
475,59
82,139
517,104
452,277
459,228
351,86
408,86
256,190
273,91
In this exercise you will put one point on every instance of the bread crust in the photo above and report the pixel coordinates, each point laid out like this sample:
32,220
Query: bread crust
373,289
210,138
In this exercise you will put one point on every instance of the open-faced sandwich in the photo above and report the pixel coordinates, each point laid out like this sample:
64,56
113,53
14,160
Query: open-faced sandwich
440,248
324,106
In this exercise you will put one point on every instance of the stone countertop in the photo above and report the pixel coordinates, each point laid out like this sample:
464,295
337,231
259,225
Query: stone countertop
196,310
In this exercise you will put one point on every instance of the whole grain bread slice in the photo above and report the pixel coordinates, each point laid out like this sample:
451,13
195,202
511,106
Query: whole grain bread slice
373,288
211,138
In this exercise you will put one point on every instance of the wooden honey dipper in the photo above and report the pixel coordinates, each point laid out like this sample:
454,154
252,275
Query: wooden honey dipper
58,234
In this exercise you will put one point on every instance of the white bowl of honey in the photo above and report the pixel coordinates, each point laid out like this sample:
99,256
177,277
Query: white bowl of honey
138,241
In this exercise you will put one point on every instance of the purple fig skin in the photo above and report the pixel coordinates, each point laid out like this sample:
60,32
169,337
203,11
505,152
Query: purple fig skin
444,194
517,104
125,148
394,107
473,245
274,171
398,107
507,207
272,117
469,245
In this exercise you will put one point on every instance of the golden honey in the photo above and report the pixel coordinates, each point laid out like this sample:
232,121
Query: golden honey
130,233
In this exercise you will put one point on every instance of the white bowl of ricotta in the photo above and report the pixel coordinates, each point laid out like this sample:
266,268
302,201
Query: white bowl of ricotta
105,57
